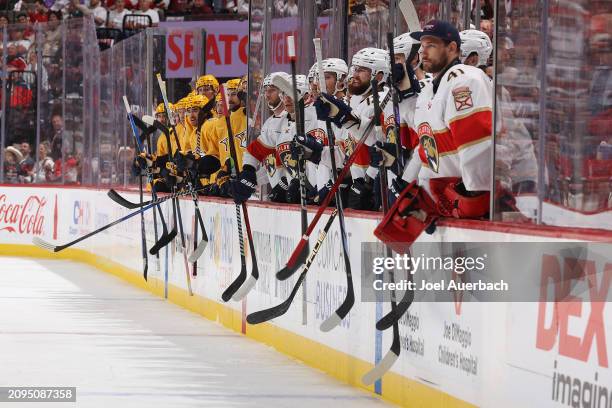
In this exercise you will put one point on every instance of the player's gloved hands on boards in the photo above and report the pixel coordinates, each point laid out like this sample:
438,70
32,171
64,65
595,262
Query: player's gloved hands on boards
294,195
245,185
307,147
398,185
279,192
331,108
360,194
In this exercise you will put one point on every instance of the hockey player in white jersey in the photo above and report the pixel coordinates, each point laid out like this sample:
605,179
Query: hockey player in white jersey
279,142
367,64
453,122
476,48
277,174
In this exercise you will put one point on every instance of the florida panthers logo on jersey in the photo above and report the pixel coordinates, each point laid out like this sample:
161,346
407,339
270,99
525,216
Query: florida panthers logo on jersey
390,130
349,145
270,164
284,153
428,143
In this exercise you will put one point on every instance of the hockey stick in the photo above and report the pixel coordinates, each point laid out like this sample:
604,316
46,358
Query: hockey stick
293,259
394,352
410,15
285,273
391,318
336,318
57,248
279,310
204,241
232,291
176,207
145,258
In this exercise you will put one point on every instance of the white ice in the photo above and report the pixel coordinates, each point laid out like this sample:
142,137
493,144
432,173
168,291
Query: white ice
67,324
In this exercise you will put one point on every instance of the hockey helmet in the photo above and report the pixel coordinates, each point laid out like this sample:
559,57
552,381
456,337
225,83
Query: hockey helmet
375,59
475,41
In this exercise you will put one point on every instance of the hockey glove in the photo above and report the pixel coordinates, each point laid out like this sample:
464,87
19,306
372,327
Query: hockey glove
382,154
360,194
207,165
244,187
331,108
279,192
307,147
398,185
294,195
408,86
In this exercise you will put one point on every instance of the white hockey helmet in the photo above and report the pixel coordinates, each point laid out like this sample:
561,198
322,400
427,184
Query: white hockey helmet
375,59
268,79
475,41
405,44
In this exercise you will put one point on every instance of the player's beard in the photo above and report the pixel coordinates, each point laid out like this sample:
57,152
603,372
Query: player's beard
433,67
274,103
358,89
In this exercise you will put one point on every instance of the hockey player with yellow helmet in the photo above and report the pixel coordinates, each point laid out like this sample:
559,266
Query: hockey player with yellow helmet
215,139
208,86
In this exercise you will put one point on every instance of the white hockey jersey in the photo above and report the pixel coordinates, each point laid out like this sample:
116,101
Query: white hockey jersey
453,122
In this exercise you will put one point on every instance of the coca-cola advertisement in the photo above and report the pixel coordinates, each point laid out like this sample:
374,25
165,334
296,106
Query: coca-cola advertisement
24,215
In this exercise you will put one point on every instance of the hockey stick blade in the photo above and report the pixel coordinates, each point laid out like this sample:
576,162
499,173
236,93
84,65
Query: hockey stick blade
287,270
336,318
410,15
265,315
146,270
381,368
197,253
163,241
278,310
41,243
245,288
394,315
235,285
116,197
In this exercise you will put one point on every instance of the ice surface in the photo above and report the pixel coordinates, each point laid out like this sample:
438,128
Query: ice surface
66,324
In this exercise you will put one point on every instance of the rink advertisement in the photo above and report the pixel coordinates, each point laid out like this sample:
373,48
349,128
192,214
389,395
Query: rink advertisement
25,213
556,353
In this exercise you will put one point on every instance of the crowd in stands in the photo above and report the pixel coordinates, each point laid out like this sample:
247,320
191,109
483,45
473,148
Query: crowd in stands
110,13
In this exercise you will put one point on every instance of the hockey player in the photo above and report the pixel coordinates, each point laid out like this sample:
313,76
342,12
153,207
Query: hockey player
453,121
367,64
277,173
280,144
215,138
208,86
476,48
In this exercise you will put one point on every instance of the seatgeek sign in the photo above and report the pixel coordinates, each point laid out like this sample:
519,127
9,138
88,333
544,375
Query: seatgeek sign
226,47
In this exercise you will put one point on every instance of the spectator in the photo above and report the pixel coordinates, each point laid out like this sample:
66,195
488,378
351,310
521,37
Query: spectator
242,6
4,21
486,26
39,14
52,34
201,7
98,12
57,124
16,36
290,9
43,169
12,157
26,165
145,9
115,19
